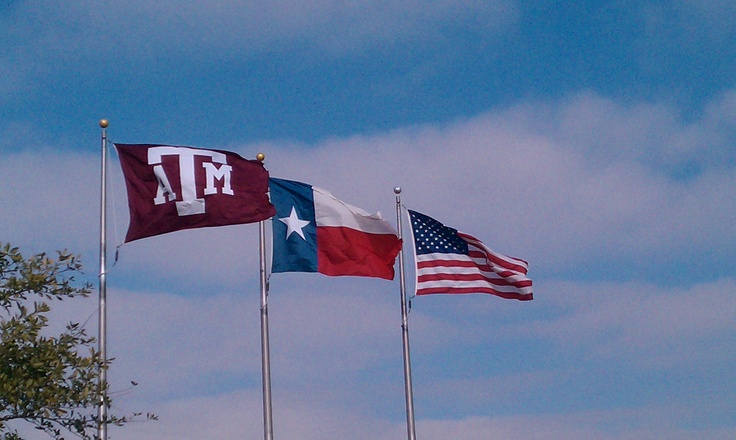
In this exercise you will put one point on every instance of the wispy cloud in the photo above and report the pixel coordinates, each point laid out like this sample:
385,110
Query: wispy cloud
197,29
631,262
589,177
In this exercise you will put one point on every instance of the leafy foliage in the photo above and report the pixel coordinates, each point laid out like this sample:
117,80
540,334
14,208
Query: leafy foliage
51,382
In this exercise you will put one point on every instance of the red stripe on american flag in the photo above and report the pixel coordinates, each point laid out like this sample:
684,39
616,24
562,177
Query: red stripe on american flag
474,277
447,263
464,290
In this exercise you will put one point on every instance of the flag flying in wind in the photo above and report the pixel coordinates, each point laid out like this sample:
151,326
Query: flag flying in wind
315,232
449,261
173,188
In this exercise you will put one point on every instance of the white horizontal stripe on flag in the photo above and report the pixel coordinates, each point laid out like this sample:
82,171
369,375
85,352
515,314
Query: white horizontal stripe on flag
468,270
329,211
449,267
440,256
478,284
489,276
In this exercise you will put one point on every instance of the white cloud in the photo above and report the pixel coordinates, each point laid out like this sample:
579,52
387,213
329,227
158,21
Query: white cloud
590,177
50,198
197,360
179,345
652,326
184,318
238,415
590,425
651,134
326,346
525,180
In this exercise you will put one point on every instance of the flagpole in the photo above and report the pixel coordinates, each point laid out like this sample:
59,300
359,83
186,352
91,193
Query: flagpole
102,325
265,350
408,391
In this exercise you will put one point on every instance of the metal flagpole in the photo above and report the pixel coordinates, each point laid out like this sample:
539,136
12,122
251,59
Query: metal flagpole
102,326
265,351
411,431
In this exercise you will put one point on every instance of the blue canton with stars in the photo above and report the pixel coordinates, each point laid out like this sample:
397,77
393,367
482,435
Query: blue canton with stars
431,236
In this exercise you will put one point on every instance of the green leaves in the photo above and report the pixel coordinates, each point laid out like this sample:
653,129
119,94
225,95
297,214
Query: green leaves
37,276
50,382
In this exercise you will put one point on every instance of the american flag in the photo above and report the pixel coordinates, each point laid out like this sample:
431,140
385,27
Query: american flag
449,261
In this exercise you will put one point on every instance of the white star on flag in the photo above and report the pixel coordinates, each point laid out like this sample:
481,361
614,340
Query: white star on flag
294,224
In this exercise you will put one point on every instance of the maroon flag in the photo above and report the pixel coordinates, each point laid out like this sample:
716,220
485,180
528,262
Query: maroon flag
173,188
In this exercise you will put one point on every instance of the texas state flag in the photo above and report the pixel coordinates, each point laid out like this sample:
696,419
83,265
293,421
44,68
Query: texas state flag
315,232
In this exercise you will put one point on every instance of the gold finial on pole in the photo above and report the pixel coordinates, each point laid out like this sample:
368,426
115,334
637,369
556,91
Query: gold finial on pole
260,157
104,123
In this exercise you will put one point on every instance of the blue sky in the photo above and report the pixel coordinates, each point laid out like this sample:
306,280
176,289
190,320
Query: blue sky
594,139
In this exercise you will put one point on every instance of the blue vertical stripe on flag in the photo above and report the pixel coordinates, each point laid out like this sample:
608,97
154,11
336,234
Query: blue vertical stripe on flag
296,252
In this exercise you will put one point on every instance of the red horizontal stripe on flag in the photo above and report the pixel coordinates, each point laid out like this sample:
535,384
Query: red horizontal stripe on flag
446,263
464,264
346,251
463,290
473,277
465,267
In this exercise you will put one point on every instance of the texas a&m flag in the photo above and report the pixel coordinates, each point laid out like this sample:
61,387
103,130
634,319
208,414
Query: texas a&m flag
172,188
